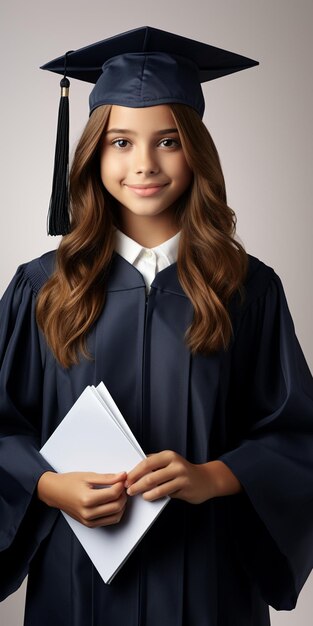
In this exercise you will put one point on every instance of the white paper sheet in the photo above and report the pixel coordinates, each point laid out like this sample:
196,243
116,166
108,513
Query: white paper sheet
94,437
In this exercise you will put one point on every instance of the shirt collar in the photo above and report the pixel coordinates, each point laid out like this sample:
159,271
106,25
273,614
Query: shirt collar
169,249
127,247
130,249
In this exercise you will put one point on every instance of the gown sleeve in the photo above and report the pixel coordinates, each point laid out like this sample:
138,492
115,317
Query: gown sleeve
24,520
272,519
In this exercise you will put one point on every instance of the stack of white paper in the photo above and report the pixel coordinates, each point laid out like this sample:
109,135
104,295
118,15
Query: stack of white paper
94,437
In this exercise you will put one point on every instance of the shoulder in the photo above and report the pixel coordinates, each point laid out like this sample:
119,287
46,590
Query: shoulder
262,287
18,300
37,271
259,279
29,277
259,274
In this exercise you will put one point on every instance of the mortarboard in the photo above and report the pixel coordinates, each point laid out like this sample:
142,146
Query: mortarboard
139,68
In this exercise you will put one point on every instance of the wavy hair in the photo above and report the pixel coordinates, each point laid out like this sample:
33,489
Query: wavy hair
211,263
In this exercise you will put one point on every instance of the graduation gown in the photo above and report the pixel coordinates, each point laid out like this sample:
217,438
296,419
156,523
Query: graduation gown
219,563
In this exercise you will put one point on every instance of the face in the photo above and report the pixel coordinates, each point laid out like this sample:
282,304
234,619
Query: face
142,161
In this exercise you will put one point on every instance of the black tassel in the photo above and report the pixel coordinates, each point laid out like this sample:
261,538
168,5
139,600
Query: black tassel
58,215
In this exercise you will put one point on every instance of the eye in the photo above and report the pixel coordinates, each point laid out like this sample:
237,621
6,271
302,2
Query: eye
169,143
120,143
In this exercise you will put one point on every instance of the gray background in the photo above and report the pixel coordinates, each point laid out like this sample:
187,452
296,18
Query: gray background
261,121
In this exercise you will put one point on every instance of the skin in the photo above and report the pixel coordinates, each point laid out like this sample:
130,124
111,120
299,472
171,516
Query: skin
145,170
142,147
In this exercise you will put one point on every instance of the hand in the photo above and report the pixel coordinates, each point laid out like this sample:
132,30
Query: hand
80,495
169,474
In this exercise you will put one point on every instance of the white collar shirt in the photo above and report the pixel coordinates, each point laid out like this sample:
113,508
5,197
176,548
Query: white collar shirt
148,261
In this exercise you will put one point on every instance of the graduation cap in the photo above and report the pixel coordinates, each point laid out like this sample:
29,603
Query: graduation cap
139,68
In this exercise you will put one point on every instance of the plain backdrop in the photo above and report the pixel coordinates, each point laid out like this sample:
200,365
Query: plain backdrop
260,119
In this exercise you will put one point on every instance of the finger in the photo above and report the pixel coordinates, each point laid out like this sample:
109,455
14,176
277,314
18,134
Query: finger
106,510
152,480
151,463
171,488
107,520
105,479
104,494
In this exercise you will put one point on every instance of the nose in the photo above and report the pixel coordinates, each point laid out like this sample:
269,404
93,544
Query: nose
145,161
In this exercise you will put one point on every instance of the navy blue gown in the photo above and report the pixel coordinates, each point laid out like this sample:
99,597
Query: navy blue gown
220,563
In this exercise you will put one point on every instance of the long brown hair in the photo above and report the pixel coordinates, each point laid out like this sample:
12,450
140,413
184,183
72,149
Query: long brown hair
211,263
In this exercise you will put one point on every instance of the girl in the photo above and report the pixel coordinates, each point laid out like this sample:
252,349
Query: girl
150,292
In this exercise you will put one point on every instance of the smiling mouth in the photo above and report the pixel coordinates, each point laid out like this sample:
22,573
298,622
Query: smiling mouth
146,190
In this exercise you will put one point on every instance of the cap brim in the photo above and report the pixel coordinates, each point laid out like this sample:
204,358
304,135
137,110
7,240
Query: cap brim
86,63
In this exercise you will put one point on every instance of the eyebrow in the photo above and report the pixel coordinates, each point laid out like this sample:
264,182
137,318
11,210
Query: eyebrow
126,131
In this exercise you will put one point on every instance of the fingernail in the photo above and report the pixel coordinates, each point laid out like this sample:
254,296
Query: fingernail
126,484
